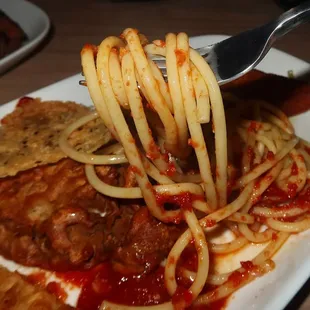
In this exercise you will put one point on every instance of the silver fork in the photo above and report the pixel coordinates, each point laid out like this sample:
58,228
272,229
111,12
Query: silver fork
237,55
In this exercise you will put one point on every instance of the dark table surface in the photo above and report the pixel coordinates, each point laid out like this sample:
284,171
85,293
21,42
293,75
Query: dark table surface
81,21
89,21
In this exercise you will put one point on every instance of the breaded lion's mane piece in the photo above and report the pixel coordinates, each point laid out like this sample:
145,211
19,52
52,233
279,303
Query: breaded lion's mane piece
18,294
29,135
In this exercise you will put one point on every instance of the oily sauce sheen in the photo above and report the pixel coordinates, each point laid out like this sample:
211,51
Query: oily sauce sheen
103,283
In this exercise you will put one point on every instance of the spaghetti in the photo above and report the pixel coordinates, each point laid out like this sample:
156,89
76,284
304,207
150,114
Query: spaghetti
161,125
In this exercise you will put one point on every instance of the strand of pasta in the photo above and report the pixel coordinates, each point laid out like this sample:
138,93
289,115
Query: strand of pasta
278,212
185,238
89,69
174,86
136,192
203,261
219,124
246,159
265,182
154,173
117,80
85,157
275,120
137,111
241,218
121,126
107,305
202,96
299,178
266,165
196,133
224,248
115,148
289,227
213,279
267,142
261,261
181,105
271,249
156,99
175,90
163,87
230,286
306,157
280,115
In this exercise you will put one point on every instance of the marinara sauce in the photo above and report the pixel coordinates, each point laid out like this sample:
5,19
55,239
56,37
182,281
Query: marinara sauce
104,283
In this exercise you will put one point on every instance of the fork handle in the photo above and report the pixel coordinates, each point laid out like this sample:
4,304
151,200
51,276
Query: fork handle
291,19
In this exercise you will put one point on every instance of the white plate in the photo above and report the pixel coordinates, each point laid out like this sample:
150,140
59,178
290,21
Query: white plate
32,20
274,290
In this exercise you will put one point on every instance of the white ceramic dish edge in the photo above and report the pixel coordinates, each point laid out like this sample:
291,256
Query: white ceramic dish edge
32,20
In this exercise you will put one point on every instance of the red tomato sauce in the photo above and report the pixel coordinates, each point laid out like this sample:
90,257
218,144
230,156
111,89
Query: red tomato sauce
103,283
183,200
275,194
37,278
57,290
294,170
182,298
135,170
181,56
153,151
270,155
292,190
171,169
23,101
193,143
254,126
189,258
250,154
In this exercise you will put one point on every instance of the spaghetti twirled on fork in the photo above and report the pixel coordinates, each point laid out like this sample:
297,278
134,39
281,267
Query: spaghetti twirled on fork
173,135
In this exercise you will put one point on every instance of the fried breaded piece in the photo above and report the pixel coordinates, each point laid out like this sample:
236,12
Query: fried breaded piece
51,217
17,294
30,134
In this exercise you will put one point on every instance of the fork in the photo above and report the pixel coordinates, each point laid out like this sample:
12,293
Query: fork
237,55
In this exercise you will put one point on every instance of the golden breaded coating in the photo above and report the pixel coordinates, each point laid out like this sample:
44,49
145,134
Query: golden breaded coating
29,135
17,294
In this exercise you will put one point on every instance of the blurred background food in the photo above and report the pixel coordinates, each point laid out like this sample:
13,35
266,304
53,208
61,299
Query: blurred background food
11,35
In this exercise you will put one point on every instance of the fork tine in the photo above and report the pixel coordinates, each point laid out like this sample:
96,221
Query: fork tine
82,83
164,72
155,57
161,61
204,51
161,64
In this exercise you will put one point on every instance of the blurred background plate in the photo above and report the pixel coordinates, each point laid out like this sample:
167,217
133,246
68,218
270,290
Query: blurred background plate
34,22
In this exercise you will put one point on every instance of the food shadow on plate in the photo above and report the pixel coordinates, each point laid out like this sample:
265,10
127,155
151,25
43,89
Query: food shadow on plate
37,50
291,95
